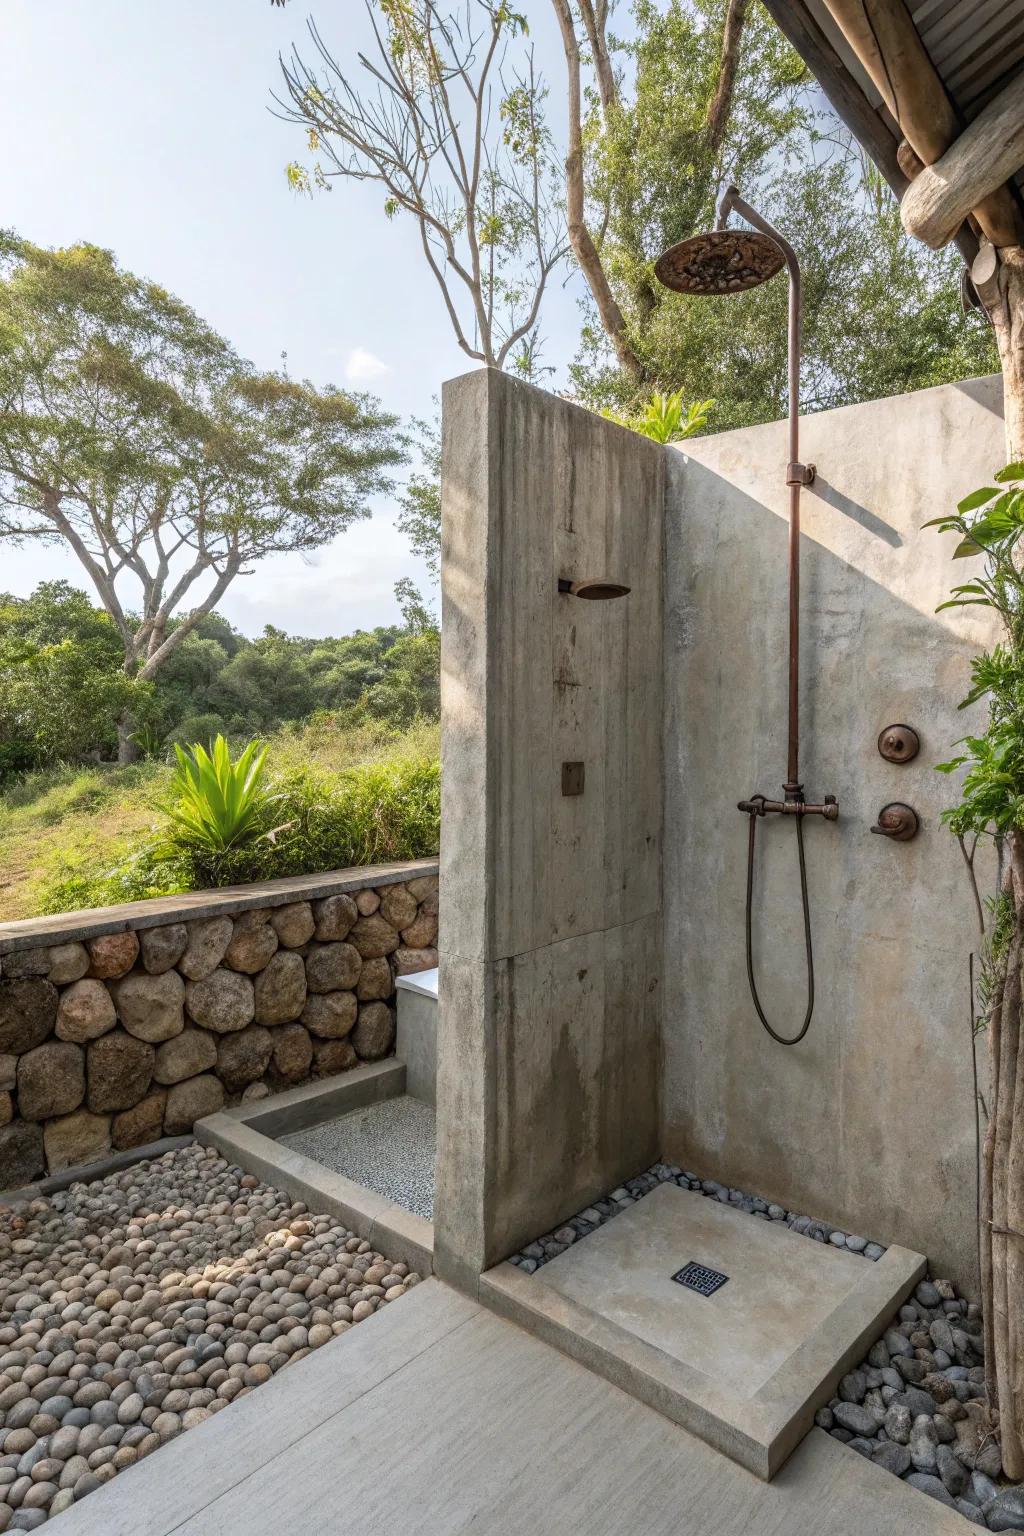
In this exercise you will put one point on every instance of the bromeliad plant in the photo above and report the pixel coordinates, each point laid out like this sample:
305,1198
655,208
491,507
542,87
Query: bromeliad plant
667,418
990,524
221,804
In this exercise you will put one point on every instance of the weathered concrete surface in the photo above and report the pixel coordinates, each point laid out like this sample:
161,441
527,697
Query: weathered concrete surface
744,1368
499,1433
549,1035
869,1122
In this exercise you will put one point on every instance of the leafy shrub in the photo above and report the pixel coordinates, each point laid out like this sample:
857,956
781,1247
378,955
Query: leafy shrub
220,803
667,418
373,814
340,797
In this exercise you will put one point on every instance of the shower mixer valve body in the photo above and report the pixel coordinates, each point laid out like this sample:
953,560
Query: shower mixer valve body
794,804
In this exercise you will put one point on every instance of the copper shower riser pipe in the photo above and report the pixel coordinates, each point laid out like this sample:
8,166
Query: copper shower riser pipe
797,474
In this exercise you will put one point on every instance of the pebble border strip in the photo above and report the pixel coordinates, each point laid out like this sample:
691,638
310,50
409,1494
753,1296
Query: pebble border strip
543,1249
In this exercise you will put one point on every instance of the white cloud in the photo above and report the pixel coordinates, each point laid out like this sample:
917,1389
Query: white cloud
363,367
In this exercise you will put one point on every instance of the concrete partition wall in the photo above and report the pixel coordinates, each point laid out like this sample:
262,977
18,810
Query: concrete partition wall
548,1051
869,1122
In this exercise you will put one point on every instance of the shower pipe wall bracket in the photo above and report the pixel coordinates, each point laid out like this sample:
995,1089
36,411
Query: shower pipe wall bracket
801,474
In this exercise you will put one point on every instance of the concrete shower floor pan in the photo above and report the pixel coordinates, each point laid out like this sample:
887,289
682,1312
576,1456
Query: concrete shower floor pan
743,1367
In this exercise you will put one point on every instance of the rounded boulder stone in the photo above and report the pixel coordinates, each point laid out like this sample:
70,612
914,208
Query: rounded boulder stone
120,1071
190,1101
376,981
223,1002
333,1056
188,1054
293,924
22,1157
79,1138
6,1107
151,1008
373,936
292,1052
280,989
331,1016
68,962
27,962
85,1011
162,948
335,916
425,889
422,931
138,1126
332,967
28,1013
208,939
397,906
8,1071
51,1080
244,1057
408,961
367,902
113,954
374,1034
253,942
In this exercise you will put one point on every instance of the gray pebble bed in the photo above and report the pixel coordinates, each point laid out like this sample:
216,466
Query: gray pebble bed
387,1147
543,1249
135,1307
917,1407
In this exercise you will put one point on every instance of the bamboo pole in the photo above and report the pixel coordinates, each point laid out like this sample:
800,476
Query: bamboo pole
889,47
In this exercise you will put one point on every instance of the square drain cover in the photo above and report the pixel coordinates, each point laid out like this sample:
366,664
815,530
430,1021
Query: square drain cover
697,1277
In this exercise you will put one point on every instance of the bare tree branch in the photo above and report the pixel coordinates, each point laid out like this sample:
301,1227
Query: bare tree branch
580,237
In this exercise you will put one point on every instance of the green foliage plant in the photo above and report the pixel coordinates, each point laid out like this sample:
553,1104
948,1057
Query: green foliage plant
667,418
989,526
990,523
220,802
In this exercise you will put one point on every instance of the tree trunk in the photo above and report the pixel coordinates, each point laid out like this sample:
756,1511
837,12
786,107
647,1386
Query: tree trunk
127,746
999,279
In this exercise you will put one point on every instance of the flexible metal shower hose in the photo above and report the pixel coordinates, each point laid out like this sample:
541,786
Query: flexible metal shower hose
781,1039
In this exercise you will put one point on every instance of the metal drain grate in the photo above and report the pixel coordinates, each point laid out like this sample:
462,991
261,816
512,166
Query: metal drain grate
697,1277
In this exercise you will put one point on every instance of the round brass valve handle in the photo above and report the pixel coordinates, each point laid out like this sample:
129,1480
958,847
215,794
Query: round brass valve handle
899,744
898,821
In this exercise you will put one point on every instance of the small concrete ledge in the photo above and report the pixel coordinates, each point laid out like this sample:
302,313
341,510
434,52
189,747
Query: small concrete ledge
416,1044
88,1173
245,1135
610,1303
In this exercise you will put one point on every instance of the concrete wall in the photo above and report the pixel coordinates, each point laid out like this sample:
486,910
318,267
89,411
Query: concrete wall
548,1057
869,1122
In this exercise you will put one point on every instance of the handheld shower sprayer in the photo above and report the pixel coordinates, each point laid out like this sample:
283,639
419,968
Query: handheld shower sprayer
723,262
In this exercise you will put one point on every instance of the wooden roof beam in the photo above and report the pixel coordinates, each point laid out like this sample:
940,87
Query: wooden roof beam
799,27
888,45
988,152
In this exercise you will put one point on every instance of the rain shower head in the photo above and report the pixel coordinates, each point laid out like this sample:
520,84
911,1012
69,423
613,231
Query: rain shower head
594,591
723,261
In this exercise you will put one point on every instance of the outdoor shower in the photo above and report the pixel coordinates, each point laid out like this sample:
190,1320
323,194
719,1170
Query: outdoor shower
729,261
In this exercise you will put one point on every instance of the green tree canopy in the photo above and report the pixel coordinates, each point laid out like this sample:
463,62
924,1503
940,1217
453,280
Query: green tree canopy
710,92
63,687
132,432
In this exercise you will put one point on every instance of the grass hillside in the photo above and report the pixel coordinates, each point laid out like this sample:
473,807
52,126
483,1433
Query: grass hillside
80,837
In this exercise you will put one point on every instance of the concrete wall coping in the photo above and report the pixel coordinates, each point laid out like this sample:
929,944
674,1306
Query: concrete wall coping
67,927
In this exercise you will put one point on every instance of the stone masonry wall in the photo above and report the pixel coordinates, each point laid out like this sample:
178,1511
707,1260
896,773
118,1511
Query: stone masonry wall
112,1039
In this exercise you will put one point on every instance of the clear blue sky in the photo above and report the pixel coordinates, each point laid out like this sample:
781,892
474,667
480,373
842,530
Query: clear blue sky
144,126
